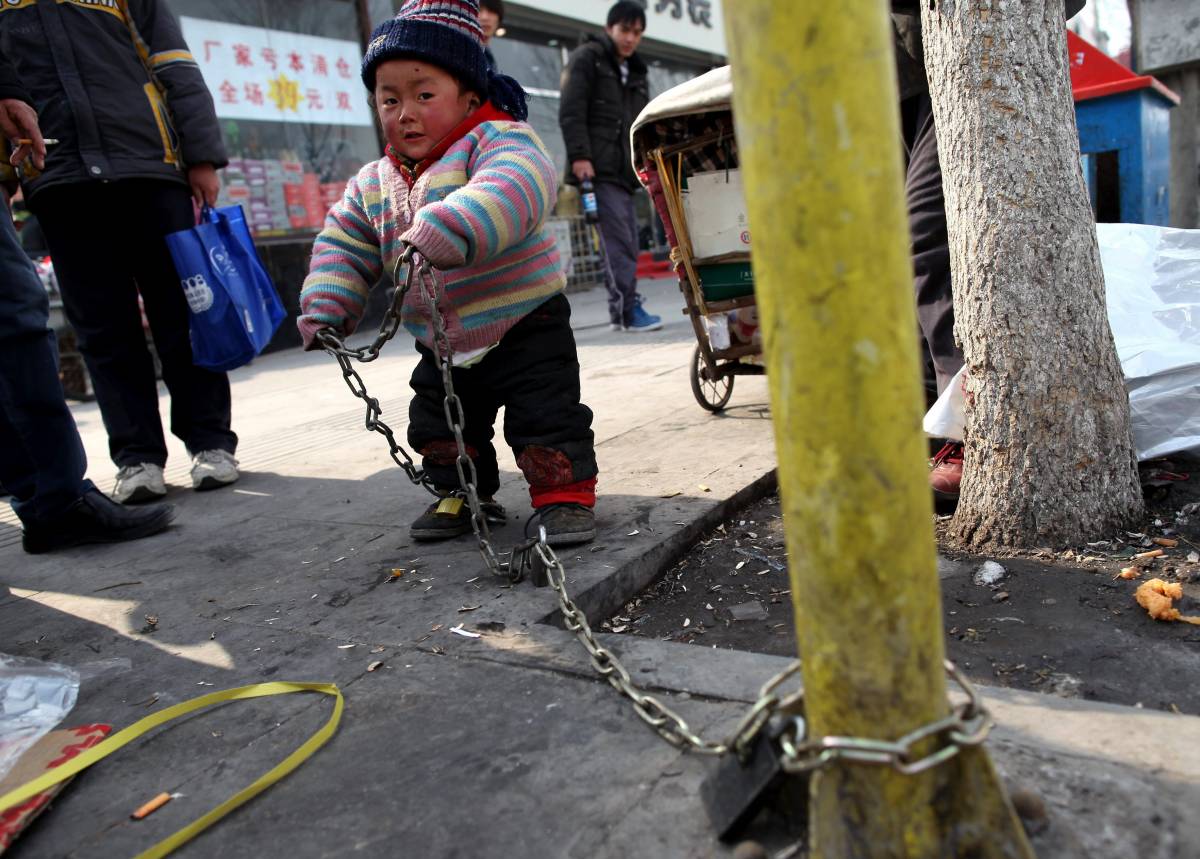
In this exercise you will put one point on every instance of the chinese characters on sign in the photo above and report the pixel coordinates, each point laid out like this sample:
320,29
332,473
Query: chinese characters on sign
272,75
699,11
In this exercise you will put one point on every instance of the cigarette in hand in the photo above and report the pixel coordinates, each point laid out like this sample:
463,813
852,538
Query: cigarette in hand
28,141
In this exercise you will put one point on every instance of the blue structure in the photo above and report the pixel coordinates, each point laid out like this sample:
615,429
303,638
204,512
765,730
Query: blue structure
1124,136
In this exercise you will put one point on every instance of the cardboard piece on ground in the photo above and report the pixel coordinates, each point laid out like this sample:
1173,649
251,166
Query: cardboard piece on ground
56,748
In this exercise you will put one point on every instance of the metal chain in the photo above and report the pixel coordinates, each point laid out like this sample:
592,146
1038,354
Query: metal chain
335,346
968,724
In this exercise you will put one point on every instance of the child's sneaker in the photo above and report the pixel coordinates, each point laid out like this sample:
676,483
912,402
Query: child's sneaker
643,321
565,524
451,516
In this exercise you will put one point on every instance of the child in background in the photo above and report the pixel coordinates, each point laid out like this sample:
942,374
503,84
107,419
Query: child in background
468,184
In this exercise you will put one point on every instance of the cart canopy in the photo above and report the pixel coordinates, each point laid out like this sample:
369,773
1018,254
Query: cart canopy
686,112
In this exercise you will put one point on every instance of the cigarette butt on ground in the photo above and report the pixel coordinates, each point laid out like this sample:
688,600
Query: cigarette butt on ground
1154,553
153,805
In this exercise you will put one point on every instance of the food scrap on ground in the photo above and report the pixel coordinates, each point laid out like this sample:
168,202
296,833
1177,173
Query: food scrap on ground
1158,597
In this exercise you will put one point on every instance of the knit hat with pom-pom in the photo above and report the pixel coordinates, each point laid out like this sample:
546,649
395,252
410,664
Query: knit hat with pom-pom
445,33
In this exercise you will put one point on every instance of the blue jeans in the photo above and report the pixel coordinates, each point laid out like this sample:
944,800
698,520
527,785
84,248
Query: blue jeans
41,457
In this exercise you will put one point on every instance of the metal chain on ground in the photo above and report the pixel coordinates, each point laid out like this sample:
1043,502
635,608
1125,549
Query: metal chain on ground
967,725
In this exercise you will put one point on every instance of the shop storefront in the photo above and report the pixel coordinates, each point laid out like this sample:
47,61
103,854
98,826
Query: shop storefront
284,78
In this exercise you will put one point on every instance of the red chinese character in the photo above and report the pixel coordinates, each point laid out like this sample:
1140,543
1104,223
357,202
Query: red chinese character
296,62
254,94
228,93
241,55
343,101
314,100
270,58
343,67
209,44
319,66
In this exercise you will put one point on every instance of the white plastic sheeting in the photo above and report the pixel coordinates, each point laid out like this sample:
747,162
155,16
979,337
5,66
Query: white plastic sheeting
1152,278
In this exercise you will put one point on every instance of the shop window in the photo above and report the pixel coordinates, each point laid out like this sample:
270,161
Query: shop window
284,76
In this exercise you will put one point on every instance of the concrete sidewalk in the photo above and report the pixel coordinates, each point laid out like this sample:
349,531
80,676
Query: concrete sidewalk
502,745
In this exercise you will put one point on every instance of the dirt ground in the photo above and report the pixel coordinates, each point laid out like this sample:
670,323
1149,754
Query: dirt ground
1055,621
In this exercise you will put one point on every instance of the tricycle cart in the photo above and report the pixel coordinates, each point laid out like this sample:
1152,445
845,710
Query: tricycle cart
686,155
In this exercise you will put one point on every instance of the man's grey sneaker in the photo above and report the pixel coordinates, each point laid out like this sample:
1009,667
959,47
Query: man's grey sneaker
451,516
565,524
139,483
212,469
643,321
94,518
616,326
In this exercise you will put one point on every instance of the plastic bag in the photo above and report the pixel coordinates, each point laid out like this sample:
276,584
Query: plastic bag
234,307
1152,286
34,697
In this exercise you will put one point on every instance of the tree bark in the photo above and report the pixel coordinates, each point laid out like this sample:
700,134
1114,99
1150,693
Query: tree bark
1049,454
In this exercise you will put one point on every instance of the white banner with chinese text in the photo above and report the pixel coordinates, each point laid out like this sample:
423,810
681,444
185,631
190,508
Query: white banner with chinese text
695,24
276,76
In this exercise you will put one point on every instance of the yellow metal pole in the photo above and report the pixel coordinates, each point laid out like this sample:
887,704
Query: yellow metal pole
819,136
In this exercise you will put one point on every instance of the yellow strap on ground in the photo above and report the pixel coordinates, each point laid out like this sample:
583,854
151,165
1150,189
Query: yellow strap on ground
128,735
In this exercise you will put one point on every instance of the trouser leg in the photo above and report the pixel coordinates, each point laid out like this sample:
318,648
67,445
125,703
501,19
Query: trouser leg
430,435
618,225
42,462
535,370
930,243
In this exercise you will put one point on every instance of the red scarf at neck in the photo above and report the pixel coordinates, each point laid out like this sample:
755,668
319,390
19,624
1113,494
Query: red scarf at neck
411,172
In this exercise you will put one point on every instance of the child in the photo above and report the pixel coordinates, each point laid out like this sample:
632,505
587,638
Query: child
468,184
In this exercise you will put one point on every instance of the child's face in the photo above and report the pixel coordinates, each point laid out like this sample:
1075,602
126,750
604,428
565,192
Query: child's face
419,104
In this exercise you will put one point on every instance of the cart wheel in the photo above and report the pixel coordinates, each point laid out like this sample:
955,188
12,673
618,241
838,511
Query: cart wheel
710,394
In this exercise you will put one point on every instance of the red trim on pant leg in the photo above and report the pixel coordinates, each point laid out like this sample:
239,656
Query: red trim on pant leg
583,492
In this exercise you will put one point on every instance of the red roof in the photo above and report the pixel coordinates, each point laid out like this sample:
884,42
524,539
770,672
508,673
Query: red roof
1095,74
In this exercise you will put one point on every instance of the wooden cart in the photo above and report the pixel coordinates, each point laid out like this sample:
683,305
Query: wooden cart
683,135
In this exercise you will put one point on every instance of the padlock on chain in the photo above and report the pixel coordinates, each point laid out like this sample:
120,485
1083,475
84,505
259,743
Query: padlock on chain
741,785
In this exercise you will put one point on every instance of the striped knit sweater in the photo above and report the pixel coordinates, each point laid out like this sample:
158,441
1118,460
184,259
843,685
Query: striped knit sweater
478,214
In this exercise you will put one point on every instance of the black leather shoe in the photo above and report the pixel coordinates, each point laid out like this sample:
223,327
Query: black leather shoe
96,518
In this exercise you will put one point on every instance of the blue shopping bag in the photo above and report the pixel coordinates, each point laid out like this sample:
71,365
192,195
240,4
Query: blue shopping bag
234,307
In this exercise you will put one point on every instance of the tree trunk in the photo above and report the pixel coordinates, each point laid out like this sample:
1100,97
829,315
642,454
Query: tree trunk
1049,454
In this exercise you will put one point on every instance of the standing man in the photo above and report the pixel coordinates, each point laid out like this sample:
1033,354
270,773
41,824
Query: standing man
138,139
41,457
604,89
491,17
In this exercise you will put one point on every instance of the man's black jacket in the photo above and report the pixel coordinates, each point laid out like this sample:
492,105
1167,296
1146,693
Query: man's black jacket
87,78
596,110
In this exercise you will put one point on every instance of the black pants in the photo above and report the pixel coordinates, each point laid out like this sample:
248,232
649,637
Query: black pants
534,374
106,240
930,244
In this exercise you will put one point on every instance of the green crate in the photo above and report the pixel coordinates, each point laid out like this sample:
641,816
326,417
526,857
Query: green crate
722,281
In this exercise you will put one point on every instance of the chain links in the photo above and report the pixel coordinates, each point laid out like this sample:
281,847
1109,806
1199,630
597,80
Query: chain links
967,725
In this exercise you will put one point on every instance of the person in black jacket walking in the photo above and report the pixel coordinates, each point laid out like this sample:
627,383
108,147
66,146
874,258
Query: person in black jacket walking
604,89
42,463
138,138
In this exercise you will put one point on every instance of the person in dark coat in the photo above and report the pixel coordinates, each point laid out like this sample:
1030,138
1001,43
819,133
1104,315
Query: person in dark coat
491,19
604,89
927,224
138,139
42,462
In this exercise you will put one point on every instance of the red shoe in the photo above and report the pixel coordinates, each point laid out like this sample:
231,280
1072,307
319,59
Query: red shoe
945,476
